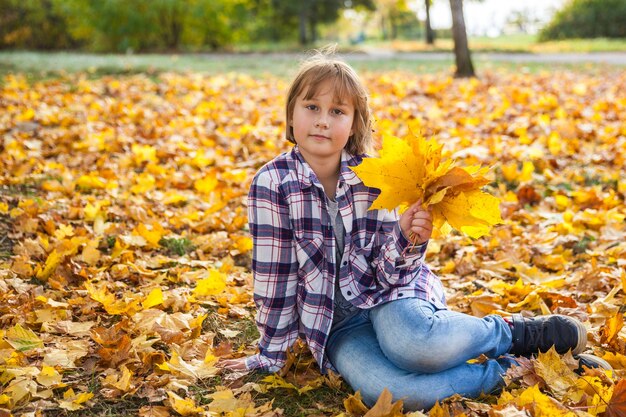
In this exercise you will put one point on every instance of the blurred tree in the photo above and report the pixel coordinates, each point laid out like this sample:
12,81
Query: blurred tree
522,20
170,16
313,12
219,23
33,24
587,19
158,25
430,33
141,25
464,66
393,15
112,25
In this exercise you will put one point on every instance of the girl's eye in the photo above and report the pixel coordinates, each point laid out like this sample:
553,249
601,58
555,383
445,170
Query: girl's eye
337,111
311,107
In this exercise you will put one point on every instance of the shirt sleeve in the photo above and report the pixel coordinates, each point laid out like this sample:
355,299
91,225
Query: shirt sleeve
275,271
397,261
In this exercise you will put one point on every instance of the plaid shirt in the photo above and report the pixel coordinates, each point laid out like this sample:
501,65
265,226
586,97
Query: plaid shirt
293,259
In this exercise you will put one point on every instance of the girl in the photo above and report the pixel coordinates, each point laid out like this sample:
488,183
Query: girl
348,280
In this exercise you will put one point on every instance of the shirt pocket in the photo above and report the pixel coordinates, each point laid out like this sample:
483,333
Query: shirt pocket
364,244
310,256
361,267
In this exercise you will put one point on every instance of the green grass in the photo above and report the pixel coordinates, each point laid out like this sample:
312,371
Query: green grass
279,59
176,246
43,65
505,43
38,65
509,43
514,43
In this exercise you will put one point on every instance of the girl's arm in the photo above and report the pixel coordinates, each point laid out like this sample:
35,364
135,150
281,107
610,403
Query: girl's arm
400,259
275,267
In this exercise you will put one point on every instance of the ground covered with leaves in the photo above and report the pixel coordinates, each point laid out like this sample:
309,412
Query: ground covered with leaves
125,256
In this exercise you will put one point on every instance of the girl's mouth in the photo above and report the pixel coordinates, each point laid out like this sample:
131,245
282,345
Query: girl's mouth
320,137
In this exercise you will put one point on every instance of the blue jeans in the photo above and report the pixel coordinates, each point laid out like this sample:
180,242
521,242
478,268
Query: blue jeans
420,353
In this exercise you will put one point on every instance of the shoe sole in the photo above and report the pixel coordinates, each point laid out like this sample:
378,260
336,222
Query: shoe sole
582,335
597,360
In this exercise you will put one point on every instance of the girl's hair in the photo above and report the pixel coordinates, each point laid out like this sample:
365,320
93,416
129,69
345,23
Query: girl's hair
320,67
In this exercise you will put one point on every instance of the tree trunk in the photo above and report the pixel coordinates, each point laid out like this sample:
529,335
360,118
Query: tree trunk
312,24
464,66
176,30
303,19
383,26
313,30
430,34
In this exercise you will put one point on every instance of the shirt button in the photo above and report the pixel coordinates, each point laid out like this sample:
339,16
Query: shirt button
400,295
344,263
349,293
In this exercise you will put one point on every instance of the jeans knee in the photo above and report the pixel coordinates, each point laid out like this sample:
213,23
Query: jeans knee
415,356
421,364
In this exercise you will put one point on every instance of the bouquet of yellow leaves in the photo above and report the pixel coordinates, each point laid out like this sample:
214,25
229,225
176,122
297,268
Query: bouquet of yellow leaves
413,169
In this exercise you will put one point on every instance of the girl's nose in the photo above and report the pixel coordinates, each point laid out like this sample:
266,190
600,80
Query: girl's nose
321,123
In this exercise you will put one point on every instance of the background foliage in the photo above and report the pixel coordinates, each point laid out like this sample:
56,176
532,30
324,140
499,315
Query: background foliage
161,25
588,19
208,25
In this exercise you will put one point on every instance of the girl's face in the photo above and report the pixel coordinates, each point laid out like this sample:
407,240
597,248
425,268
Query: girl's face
322,125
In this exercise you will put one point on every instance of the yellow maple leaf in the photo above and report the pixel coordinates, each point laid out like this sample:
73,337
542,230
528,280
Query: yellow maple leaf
243,244
64,231
206,185
22,339
354,404
94,211
225,403
211,285
91,255
151,233
49,377
100,293
610,330
53,260
18,390
183,406
153,299
554,371
413,169
144,183
540,404
72,401
121,382
143,153
599,394
438,411
91,181
384,406
174,198
192,369
617,360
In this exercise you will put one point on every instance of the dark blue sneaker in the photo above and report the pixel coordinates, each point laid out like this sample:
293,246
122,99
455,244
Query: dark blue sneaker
539,334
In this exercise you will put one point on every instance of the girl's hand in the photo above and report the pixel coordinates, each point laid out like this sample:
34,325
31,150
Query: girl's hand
238,364
417,223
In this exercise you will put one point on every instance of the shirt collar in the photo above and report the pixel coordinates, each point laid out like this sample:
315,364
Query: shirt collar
306,176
